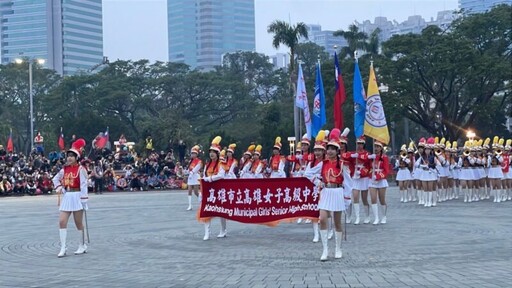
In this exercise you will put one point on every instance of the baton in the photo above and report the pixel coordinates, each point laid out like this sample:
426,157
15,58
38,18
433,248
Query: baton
86,228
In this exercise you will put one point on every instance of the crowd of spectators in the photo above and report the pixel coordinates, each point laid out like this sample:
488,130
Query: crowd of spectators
120,170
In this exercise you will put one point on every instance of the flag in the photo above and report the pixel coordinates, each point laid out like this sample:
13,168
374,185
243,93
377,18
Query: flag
375,125
103,140
339,95
318,119
359,102
301,101
61,141
10,145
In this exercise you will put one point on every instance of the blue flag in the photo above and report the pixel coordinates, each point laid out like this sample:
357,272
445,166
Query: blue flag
319,118
359,102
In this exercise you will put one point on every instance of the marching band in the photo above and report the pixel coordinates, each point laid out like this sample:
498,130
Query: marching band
429,172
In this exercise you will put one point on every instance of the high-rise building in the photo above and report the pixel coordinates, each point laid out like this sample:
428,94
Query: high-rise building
200,32
480,6
324,38
67,34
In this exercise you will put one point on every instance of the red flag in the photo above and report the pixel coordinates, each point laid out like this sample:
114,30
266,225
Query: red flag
61,141
10,145
339,95
102,141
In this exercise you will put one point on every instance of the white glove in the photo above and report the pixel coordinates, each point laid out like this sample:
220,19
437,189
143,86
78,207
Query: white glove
268,170
357,173
372,156
60,190
354,155
207,179
84,204
299,157
374,178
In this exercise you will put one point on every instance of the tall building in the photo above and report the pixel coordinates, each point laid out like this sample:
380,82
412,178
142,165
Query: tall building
67,34
414,24
324,38
200,32
480,6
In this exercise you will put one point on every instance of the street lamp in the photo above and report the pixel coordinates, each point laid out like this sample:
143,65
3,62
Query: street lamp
31,94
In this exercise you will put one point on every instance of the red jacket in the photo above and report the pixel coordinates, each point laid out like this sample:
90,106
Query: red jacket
381,167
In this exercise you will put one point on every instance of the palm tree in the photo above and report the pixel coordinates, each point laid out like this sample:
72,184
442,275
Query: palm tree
373,44
356,40
289,36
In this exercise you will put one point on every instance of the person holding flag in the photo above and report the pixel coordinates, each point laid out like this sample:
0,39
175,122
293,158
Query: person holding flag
301,101
376,127
339,95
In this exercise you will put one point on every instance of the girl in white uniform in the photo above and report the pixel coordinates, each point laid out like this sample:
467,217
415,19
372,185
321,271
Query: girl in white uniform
194,168
71,182
403,176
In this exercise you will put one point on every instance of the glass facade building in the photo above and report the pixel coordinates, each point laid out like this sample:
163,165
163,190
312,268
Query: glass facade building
480,6
200,32
68,34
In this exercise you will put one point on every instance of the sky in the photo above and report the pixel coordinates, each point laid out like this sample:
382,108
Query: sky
137,29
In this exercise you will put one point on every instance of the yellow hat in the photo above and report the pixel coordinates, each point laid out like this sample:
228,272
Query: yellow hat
403,148
196,149
215,146
320,140
258,150
277,143
231,148
250,150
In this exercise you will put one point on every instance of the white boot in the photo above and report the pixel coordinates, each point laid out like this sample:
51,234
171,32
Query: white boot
494,196
426,197
338,253
299,220
402,196
434,198
421,200
325,253
82,248
315,232
206,231
498,195
348,215
367,219
375,210
223,232
189,203
63,234
356,211
384,219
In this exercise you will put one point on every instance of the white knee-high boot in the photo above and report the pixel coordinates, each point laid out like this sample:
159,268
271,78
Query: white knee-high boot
421,196
315,232
338,253
375,210
434,198
82,248
206,231
63,233
223,231
356,207
384,218
325,252
402,195
367,219
189,202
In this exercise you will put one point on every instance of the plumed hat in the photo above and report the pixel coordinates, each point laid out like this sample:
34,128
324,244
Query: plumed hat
334,138
77,147
215,146
319,140
231,148
277,143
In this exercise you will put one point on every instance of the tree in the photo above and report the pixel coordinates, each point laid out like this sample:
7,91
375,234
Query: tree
289,35
445,79
356,41
309,53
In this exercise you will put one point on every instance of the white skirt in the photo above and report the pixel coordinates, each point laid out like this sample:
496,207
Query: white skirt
507,175
403,175
379,184
193,179
360,184
495,173
429,175
331,199
416,174
467,174
70,202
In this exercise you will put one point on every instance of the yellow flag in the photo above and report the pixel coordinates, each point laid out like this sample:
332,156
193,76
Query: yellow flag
375,125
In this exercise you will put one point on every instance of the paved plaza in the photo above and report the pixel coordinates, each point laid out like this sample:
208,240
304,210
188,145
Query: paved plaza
148,239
